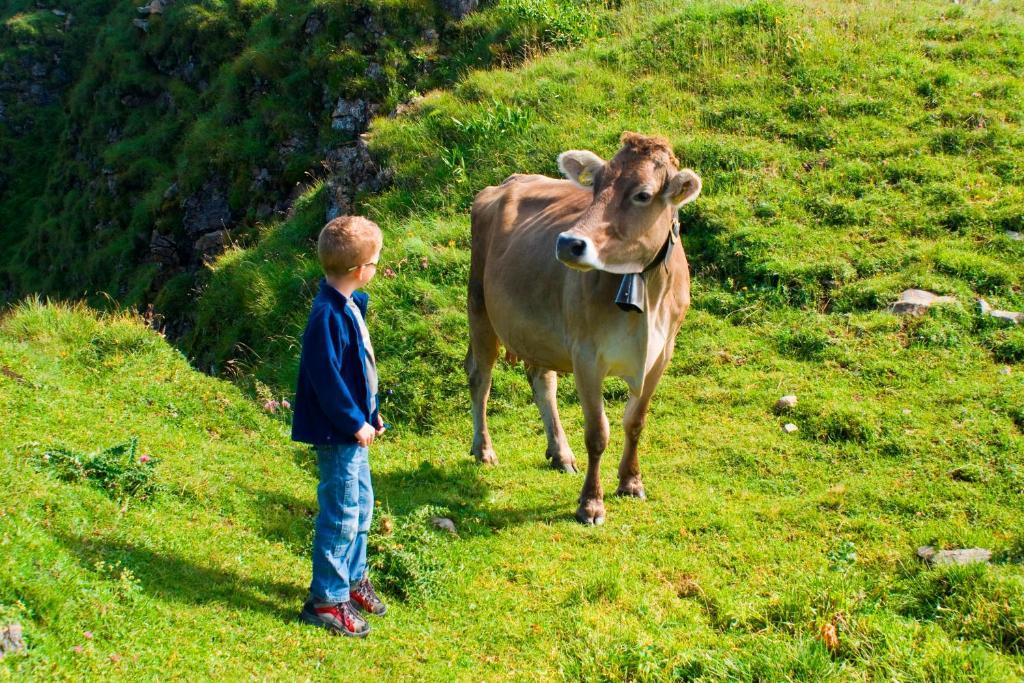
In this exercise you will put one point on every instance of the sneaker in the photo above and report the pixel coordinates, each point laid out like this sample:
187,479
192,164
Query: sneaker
365,598
337,618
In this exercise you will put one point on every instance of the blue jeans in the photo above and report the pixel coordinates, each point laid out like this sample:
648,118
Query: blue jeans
345,495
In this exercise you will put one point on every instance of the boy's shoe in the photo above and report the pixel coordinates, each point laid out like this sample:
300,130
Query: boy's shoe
365,598
337,618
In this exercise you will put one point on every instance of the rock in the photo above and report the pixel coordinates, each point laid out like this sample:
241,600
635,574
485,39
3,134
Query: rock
211,245
141,24
260,179
163,250
790,428
917,302
429,36
960,556
1014,235
154,7
11,639
444,524
289,146
787,402
1005,370
314,24
171,192
373,28
457,9
207,210
350,116
351,169
1007,316
375,72
405,107
984,307
59,12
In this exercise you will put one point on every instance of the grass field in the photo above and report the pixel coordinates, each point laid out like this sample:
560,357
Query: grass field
848,150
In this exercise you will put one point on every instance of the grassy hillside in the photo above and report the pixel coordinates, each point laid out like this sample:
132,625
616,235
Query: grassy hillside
751,543
847,151
161,128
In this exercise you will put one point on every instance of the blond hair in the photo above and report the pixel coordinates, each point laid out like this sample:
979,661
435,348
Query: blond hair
347,242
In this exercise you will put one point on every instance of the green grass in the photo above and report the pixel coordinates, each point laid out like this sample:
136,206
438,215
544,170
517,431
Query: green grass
847,151
750,542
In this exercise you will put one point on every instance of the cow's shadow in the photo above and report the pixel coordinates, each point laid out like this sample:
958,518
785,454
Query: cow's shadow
458,490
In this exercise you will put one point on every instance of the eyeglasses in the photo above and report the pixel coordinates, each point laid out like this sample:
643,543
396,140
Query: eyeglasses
371,263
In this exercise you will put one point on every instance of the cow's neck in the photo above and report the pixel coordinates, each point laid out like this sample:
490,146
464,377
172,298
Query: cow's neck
632,293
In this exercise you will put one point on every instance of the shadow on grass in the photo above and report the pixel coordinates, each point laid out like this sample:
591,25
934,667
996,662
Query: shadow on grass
167,577
458,489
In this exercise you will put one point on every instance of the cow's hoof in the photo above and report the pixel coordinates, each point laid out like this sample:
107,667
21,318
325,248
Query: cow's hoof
568,466
563,461
590,512
486,457
634,488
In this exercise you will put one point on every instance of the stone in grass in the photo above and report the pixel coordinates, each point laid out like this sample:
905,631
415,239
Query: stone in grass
10,639
1007,316
787,402
1014,235
444,524
960,556
917,302
789,428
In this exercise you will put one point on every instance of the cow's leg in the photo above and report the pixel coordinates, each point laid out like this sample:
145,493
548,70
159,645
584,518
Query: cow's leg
480,359
633,421
588,386
545,389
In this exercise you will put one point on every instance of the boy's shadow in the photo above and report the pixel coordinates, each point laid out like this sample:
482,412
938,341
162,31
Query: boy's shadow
167,577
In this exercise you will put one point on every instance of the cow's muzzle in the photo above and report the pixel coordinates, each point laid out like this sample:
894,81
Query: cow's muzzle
576,252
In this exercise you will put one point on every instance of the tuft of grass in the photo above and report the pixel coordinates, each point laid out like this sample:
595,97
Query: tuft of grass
120,470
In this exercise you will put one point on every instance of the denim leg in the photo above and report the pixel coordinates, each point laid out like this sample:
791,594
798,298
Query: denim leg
357,566
335,534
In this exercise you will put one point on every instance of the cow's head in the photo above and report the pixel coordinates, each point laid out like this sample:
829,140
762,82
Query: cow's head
636,196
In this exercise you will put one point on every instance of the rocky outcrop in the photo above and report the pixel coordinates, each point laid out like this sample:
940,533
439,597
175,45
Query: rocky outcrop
351,169
207,210
210,245
457,9
351,116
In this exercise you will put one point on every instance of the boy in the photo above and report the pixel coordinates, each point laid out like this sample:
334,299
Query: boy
336,411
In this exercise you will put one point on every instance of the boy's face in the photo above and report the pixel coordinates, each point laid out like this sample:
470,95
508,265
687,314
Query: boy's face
368,270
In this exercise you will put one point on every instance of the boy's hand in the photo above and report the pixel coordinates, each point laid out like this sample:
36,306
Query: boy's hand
365,435
380,425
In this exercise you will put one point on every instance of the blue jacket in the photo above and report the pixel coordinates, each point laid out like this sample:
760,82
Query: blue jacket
332,400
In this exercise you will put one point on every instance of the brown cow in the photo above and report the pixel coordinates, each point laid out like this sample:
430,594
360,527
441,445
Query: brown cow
608,219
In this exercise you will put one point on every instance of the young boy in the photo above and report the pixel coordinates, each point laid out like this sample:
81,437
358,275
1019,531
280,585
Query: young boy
336,411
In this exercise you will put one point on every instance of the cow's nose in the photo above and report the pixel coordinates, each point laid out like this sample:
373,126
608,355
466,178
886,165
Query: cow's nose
570,248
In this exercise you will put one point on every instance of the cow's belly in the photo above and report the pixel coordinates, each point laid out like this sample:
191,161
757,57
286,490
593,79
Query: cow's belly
532,331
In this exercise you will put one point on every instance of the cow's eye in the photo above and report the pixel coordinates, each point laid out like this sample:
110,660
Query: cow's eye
642,197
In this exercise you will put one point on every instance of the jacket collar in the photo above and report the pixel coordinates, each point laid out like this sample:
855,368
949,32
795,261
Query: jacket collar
339,299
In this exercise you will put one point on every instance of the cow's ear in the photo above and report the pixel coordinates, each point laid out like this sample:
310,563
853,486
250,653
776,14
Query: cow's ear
682,188
580,166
